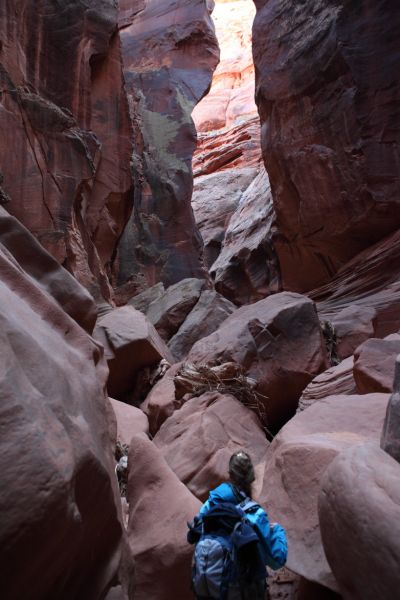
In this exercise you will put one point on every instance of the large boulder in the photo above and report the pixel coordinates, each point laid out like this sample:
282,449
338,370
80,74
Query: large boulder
278,342
130,344
207,315
353,325
199,438
130,421
61,532
325,90
374,364
212,218
337,380
359,512
168,312
161,402
159,508
296,461
247,268
143,300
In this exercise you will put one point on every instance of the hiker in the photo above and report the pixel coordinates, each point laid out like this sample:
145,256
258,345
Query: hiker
234,540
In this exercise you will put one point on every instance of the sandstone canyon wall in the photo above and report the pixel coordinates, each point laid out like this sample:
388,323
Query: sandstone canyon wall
169,52
66,136
328,95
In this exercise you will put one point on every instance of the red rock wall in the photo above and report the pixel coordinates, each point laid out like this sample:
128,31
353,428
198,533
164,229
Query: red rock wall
327,88
66,145
169,53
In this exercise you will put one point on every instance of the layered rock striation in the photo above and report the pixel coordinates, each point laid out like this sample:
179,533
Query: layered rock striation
64,114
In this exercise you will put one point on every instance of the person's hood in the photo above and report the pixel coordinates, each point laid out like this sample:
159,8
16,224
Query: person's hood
223,493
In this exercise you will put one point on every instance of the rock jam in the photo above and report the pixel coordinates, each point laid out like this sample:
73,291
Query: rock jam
199,254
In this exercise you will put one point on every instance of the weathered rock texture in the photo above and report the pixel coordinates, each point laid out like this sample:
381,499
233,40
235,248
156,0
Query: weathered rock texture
336,380
247,268
206,316
237,230
359,509
198,440
160,506
327,90
374,364
64,114
296,461
169,53
131,343
278,342
58,488
369,284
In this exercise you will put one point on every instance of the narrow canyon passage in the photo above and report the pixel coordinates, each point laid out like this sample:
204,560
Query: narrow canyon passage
199,256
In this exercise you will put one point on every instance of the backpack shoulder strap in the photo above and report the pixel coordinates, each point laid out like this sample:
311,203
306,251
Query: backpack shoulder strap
249,505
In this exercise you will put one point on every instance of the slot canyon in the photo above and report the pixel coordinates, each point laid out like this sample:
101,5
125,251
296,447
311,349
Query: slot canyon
199,254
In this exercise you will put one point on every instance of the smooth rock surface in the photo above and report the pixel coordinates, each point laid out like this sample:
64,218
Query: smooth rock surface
205,317
295,463
169,53
247,268
215,198
327,98
160,403
130,421
338,380
278,342
359,511
198,440
169,311
374,364
159,508
130,344
58,487
353,325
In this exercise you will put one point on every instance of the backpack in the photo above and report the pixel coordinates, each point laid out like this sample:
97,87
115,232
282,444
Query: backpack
227,556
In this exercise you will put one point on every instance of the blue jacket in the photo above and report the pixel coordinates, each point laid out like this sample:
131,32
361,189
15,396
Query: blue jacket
273,539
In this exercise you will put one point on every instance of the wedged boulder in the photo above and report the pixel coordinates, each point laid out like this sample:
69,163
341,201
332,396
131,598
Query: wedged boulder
130,343
160,403
247,269
374,364
168,312
199,438
58,487
159,508
359,512
206,316
130,421
212,218
334,381
143,300
278,342
353,326
295,463
390,438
